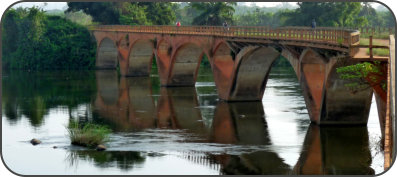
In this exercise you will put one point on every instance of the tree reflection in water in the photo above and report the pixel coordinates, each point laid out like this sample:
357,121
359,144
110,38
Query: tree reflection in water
124,160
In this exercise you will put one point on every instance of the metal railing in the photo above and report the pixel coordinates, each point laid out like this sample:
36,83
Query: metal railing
335,36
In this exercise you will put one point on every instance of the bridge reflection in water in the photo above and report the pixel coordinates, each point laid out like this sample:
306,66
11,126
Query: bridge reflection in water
238,128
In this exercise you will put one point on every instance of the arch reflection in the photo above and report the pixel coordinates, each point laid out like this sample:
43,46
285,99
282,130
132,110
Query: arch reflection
178,109
131,107
244,123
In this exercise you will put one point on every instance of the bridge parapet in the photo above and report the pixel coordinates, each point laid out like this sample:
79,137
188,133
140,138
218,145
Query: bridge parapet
335,36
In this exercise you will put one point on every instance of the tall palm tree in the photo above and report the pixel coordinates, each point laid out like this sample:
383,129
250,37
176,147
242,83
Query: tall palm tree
213,13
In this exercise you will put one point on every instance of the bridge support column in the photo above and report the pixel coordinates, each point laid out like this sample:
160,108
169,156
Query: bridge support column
243,78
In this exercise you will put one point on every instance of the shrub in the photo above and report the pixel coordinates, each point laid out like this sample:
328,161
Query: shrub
88,135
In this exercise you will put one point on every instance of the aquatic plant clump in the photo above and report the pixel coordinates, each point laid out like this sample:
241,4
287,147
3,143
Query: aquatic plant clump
88,135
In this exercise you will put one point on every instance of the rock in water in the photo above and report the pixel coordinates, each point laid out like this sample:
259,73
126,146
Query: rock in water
35,141
100,147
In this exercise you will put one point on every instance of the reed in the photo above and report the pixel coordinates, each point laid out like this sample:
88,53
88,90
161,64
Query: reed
88,135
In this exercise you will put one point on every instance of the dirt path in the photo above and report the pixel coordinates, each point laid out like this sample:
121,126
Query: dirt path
362,53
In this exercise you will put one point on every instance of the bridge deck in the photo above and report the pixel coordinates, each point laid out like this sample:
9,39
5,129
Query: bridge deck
343,38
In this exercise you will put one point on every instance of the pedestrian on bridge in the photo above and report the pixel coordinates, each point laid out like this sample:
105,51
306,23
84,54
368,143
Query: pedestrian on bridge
225,26
178,23
314,26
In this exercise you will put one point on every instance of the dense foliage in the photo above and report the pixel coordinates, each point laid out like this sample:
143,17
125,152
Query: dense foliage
127,13
213,13
327,14
33,40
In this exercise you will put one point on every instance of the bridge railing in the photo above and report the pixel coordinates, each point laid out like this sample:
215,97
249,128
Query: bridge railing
336,36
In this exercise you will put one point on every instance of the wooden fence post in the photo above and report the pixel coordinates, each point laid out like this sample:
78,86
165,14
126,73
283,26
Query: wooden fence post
370,48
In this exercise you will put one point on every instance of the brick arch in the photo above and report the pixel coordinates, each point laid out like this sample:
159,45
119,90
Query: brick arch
107,54
139,59
184,65
252,67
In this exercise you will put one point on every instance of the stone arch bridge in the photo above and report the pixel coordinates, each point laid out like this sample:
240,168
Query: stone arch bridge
241,58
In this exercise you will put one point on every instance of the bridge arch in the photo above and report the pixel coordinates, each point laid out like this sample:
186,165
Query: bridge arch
140,58
185,64
107,54
108,87
340,105
253,66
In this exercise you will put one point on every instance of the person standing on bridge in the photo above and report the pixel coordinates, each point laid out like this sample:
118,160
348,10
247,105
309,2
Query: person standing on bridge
314,26
178,24
225,26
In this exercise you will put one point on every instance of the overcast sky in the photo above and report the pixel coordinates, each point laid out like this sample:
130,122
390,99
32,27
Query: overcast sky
60,5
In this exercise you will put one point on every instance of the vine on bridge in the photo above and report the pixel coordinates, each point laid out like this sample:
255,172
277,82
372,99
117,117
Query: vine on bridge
365,75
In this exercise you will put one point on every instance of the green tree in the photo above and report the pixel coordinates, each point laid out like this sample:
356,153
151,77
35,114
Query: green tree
127,13
337,14
35,40
132,14
213,13
103,12
159,13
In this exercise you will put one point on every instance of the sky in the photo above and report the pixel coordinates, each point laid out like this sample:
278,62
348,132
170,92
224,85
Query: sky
60,5
63,5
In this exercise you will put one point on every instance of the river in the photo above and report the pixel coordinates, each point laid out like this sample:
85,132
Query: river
175,130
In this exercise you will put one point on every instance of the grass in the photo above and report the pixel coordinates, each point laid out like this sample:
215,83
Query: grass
88,135
383,35
376,51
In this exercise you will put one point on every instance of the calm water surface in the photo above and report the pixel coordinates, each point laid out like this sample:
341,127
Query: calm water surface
158,130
